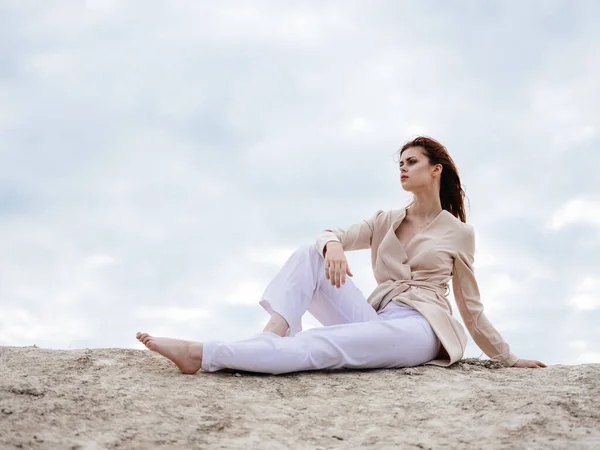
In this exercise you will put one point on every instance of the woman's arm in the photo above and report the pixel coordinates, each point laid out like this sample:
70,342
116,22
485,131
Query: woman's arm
466,294
355,237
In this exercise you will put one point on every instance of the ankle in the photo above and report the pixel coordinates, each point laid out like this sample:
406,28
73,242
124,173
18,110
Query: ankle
196,350
277,324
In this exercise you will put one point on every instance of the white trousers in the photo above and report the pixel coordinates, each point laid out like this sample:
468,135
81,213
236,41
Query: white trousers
353,335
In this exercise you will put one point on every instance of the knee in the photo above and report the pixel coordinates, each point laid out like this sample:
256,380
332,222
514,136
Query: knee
311,252
307,249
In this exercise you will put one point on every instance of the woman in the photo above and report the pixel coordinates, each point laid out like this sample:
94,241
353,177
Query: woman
406,321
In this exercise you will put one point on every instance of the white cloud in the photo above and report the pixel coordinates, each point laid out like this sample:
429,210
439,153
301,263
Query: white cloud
244,292
99,260
586,297
578,210
587,358
274,256
174,314
26,327
580,345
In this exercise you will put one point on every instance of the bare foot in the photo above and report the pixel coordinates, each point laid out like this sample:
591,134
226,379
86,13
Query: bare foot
187,355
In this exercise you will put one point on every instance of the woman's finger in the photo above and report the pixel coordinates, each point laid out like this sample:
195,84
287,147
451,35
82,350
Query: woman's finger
332,273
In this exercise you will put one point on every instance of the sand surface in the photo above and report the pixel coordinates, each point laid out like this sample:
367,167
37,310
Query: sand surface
125,398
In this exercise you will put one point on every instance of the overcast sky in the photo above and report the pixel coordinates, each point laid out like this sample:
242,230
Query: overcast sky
160,161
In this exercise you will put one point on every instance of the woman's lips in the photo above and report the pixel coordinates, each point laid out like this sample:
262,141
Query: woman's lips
403,177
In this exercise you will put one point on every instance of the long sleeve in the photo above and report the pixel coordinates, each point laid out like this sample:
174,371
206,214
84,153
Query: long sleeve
355,237
466,294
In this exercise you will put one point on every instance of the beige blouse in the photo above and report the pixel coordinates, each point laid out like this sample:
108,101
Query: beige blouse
417,276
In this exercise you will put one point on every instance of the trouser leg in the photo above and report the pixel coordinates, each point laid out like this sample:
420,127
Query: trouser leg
301,286
404,340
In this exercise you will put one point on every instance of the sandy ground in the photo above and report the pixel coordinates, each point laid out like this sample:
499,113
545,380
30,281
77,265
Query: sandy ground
125,398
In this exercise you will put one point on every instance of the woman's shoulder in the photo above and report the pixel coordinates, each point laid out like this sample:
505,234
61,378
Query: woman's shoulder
457,231
386,217
458,224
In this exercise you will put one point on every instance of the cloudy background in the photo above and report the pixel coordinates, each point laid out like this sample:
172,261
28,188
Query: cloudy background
160,162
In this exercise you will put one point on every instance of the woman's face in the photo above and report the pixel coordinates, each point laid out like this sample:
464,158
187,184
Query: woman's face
415,165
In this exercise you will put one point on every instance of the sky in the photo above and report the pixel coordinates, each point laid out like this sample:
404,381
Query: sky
159,162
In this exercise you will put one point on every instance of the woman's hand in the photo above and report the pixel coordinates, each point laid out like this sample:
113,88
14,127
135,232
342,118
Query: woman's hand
336,266
529,363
